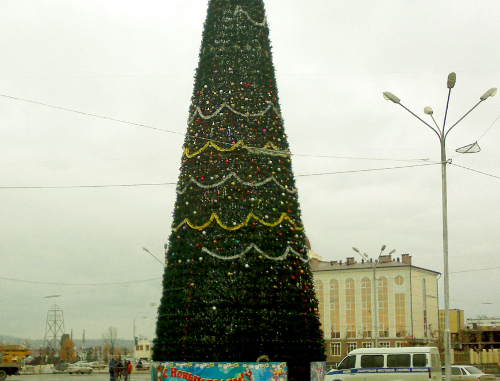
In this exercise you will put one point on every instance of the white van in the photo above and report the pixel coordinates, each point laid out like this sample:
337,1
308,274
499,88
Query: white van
394,364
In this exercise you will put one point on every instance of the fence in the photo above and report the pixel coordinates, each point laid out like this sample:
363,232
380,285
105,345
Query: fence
490,356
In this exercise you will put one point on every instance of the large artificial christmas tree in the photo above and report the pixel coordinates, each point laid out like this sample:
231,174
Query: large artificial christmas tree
237,284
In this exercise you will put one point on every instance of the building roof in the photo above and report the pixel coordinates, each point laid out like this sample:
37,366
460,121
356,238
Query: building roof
350,264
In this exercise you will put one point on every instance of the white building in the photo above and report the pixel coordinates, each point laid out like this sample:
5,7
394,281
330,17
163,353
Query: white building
142,350
407,303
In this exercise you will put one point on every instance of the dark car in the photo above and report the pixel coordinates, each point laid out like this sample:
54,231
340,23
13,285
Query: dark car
61,367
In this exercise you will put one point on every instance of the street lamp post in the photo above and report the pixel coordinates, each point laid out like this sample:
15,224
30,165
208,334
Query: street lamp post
147,251
375,292
442,133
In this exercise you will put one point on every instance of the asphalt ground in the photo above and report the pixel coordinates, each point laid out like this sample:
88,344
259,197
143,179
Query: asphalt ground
142,376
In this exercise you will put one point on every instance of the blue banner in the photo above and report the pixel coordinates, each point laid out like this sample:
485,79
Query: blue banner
219,371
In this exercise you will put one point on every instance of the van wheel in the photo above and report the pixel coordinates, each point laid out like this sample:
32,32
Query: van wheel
3,374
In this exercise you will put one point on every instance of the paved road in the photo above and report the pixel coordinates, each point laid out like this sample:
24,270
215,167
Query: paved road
76,377
82,377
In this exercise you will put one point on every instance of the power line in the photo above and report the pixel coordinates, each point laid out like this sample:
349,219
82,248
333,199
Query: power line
119,120
475,170
179,133
172,183
186,75
78,284
489,127
86,186
366,170
96,76
470,271
170,157
87,160
93,115
357,158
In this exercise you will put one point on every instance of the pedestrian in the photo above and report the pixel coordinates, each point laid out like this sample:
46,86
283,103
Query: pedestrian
128,370
119,369
112,364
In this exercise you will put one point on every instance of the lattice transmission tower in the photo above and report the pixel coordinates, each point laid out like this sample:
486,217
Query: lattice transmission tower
54,329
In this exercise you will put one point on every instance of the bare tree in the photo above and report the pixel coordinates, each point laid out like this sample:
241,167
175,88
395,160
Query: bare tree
109,339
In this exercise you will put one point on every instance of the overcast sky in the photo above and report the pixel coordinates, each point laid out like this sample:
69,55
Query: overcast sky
134,61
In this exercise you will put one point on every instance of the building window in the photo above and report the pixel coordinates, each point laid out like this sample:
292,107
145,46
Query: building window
334,309
367,344
350,308
399,280
384,344
351,346
335,349
400,306
400,344
318,286
147,347
366,307
383,307
136,347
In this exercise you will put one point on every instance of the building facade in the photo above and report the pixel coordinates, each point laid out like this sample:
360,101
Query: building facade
142,350
407,303
480,333
456,322
483,322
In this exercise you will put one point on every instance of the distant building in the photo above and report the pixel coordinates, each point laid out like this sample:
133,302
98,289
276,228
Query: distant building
483,322
142,350
407,303
456,322
480,333
311,254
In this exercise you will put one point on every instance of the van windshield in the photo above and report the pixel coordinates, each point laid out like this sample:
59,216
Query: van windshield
348,363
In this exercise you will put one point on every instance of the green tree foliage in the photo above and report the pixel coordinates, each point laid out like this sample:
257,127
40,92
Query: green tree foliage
237,283
91,355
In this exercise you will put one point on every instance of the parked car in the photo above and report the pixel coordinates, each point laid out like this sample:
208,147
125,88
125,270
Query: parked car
61,367
468,373
145,365
79,369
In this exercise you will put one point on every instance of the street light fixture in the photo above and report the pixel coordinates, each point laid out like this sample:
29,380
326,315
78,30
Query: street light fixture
375,293
442,133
